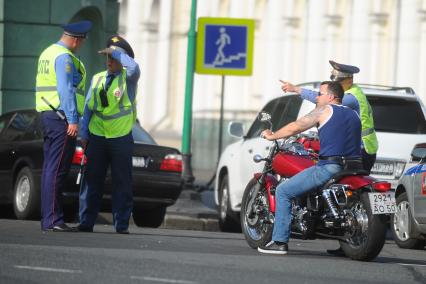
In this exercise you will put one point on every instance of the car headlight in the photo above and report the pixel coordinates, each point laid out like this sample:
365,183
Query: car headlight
399,169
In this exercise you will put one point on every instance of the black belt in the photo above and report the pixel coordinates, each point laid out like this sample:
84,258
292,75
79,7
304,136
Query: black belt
337,159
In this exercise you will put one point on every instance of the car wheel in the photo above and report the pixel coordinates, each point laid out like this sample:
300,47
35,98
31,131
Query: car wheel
26,198
149,217
228,221
401,223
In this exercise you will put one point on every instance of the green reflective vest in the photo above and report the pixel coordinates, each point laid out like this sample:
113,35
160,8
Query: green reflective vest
369,138
46,83
115,120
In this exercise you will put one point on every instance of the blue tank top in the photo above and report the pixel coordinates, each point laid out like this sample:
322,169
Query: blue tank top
340,135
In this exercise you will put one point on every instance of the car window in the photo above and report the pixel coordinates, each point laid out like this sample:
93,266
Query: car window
397,115
140,135
4,120
283,110
22,127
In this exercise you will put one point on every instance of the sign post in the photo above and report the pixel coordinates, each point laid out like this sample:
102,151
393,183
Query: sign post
224,47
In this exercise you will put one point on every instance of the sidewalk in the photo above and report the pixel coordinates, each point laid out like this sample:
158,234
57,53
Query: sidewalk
190,213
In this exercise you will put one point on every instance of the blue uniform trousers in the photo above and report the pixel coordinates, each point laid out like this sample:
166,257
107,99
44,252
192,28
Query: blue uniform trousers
102,153
58,151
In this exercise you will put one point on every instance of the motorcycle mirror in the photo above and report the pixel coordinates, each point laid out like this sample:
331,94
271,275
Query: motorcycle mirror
257,158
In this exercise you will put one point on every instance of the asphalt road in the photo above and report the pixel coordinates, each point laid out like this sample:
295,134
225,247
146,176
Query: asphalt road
176,256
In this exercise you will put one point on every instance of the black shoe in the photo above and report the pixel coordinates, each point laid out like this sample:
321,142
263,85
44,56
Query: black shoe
274,248
81,228
125,232
336,252
61,228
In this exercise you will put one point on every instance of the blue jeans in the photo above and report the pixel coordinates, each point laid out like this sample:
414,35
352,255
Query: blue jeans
300,184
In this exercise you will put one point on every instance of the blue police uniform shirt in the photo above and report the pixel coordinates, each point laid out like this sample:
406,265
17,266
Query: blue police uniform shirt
132,77
67,81
349,100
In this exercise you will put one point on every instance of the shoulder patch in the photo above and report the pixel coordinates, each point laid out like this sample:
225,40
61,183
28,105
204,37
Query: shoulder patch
68,68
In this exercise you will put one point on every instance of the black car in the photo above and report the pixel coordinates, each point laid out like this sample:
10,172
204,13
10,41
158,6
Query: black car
157,179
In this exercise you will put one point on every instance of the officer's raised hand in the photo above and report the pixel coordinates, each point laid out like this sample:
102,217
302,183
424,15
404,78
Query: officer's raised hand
289,87
107,51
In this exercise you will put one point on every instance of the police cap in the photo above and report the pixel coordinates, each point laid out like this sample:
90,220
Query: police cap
342,71
118,43
77,29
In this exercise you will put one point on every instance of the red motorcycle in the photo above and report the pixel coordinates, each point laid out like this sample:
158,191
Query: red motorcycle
351,207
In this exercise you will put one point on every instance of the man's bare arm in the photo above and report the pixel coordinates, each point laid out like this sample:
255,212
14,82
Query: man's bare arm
298,126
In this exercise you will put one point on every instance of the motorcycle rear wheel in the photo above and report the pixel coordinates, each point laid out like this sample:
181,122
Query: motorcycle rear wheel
255,230
367,236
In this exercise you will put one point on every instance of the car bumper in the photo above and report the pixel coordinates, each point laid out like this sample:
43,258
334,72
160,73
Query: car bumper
148,189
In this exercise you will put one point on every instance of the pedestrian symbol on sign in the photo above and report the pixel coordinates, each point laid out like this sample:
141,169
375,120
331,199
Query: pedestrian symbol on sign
225,46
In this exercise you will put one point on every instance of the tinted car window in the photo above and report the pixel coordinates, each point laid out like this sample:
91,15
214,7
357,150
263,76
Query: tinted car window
22,127
4,120
140,135
283,110
397,115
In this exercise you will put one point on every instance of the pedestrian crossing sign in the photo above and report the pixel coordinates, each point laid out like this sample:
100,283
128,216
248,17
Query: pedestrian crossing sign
225,46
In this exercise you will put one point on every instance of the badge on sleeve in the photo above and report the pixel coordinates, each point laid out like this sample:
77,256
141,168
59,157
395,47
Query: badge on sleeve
68,68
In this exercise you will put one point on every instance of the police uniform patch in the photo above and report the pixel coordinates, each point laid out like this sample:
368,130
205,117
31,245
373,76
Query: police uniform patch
115,39
68,68
117,93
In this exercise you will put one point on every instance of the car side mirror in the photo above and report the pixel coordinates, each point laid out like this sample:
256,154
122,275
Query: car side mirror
419,153
236,129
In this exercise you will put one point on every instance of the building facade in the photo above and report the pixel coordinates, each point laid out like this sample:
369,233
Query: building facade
294,39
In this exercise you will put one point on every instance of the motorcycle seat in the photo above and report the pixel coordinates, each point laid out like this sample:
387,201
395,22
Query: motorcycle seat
344,173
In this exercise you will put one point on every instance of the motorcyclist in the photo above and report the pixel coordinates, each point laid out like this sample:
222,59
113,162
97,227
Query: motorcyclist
339,129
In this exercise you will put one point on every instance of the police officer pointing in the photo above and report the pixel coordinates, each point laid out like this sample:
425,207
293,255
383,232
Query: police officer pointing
109,114
60,86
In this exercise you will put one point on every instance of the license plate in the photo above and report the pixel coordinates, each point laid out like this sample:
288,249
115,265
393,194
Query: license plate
381,168
139,162
382,202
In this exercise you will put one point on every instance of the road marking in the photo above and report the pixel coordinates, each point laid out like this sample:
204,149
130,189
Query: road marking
49,269
154,279
412,264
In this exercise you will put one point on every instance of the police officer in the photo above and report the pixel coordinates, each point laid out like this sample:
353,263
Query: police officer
355,99
109,114
60,86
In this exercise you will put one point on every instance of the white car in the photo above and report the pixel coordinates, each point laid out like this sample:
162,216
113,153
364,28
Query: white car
399,117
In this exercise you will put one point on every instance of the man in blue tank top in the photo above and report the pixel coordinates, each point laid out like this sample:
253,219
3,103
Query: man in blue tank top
339,129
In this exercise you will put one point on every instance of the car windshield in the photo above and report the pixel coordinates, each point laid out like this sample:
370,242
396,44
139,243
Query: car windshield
140,135
397,115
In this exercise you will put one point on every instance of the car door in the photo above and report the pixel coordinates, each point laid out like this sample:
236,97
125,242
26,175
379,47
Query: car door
5,168
419,192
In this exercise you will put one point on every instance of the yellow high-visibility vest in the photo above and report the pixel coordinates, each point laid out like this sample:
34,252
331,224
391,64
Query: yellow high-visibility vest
369,138
46,83
115,120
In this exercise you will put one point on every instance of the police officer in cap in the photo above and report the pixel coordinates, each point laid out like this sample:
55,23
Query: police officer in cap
60,86
355,99
109,114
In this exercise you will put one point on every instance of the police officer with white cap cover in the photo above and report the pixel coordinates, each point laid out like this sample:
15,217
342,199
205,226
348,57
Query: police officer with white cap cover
60,84
109,114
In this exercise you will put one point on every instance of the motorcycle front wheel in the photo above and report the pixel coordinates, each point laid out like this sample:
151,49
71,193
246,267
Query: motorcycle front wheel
366,235
255,217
